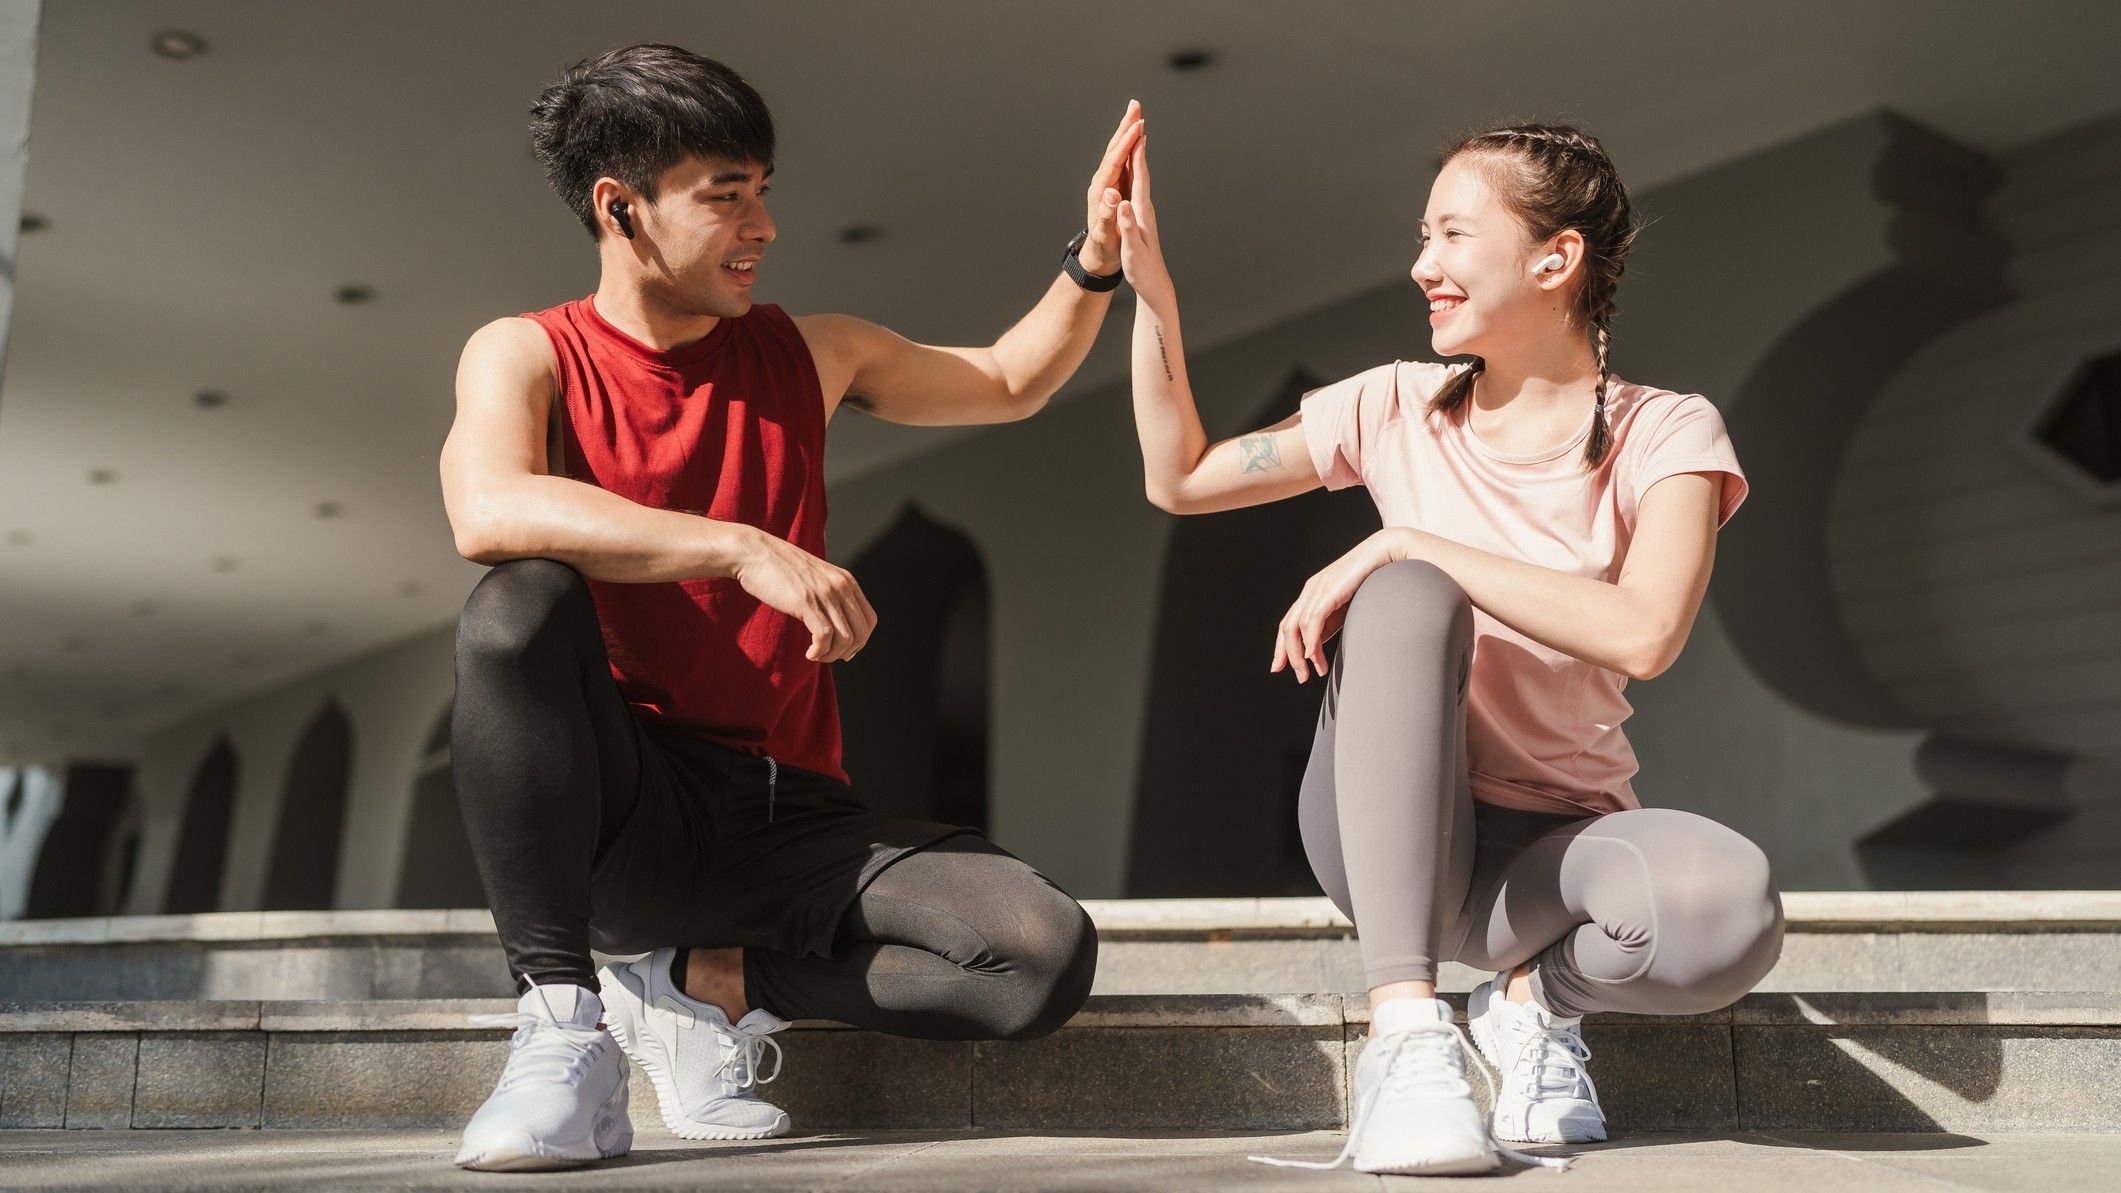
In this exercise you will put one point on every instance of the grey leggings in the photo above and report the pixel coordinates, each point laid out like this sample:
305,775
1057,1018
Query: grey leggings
1650,910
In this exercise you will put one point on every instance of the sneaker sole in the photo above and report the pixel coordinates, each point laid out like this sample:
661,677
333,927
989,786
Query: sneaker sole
1457,1166
619,1021
1483,1034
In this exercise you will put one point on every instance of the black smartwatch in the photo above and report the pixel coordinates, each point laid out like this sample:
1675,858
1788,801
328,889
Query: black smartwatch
1093,282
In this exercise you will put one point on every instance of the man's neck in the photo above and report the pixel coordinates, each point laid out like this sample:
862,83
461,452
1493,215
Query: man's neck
653,323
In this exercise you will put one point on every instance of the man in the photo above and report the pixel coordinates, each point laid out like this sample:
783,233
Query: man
645,740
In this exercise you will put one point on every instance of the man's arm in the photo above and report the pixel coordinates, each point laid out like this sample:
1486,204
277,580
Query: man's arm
503,503
882,373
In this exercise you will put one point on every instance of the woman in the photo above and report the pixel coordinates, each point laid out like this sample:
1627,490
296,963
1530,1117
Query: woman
1548,533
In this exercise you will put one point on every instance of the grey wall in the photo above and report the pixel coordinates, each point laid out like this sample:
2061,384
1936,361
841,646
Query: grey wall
1726,291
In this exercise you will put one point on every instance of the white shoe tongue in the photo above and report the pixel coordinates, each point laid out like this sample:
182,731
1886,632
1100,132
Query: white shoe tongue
574,1005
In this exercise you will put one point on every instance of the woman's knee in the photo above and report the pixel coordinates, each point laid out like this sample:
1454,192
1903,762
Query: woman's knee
517,605
1719,915
1409,605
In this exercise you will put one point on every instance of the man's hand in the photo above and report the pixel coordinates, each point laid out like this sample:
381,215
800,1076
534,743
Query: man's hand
823,597
1100,251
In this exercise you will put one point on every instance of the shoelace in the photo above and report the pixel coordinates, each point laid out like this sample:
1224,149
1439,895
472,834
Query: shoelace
543,1049
747,1044
1558,1049
1421,1036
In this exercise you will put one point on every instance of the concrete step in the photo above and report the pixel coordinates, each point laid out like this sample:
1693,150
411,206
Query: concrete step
1846,941
973,1161
1975,1062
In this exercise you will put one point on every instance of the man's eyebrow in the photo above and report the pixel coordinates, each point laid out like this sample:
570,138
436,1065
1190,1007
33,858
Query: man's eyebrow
725,177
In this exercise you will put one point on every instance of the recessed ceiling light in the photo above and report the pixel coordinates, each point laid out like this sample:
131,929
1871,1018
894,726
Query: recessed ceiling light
177,44
329,509
209,399
18,538
1189,59
353,295
102,476
32,222
224,563
860,233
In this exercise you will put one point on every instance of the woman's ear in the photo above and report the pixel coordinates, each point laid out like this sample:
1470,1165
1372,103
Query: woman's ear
1562,260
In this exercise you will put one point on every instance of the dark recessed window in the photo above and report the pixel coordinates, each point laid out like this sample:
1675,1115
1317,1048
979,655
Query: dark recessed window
2085,426
1189,59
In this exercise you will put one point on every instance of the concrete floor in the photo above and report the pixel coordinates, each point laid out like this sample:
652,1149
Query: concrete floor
947,1161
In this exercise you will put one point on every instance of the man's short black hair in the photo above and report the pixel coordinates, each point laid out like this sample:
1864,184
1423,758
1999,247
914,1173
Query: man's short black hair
632,114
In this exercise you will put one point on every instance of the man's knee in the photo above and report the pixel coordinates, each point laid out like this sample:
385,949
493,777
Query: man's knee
516,605
1055,962
1408,605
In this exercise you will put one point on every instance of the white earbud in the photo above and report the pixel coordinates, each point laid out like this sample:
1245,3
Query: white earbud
1552,262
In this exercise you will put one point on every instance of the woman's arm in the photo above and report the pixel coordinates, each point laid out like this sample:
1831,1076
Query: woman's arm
1635,625
1181,471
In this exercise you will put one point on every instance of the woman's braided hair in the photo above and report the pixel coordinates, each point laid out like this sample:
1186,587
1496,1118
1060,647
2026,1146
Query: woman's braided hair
1553,177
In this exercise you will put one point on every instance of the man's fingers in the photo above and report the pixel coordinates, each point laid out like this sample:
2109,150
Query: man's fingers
1116,151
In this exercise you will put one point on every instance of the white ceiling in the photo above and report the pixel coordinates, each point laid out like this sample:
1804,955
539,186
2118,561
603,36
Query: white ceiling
203,212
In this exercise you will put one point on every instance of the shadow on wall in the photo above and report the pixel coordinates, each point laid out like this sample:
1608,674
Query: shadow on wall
1225,744
914,704
438,869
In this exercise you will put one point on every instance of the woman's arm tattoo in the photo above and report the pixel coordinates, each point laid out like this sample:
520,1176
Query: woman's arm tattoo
1260,453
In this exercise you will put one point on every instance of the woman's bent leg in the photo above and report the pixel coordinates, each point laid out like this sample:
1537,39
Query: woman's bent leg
1386,815
1649,911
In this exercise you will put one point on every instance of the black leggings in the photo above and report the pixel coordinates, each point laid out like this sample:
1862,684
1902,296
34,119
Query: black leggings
941,939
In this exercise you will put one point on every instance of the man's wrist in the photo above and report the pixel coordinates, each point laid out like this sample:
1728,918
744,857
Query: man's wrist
1094,259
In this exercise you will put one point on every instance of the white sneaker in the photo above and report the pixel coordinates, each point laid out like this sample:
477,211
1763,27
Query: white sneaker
561,1100
705,1069
1414,1112
1546,1094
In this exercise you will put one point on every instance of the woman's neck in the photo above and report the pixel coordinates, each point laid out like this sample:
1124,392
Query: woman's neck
1565,375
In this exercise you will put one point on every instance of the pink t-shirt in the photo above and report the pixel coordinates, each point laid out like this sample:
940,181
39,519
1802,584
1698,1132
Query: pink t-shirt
1542,728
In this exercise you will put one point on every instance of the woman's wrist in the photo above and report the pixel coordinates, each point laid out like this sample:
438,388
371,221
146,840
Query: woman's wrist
1398,544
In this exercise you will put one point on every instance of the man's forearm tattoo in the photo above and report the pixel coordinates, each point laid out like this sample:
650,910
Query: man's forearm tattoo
1260,453
1162,354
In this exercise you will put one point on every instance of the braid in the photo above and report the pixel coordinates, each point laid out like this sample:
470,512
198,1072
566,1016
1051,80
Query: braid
1601,441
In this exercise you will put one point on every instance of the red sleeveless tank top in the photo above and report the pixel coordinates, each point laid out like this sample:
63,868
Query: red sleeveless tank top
732,427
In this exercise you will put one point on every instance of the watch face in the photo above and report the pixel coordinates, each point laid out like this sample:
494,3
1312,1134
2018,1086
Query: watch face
1076,241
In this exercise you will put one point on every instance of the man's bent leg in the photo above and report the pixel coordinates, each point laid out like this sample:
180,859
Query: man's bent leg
958,941
545,760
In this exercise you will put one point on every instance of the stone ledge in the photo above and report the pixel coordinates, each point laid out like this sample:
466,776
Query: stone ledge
1807,911
2098,1009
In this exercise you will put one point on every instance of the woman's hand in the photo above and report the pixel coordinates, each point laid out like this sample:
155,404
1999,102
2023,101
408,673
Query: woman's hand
1322,606
1141,251
1100,252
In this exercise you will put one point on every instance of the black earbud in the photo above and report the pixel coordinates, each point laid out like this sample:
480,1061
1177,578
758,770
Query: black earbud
618,215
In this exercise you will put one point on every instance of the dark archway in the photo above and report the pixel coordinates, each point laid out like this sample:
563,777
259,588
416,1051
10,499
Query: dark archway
304,871
914,705
202,842
70,875
437,869
1224,744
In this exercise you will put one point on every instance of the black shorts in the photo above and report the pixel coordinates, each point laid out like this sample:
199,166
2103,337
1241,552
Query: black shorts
724,850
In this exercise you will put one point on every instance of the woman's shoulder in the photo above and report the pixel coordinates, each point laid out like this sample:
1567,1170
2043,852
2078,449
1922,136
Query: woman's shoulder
1631,404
